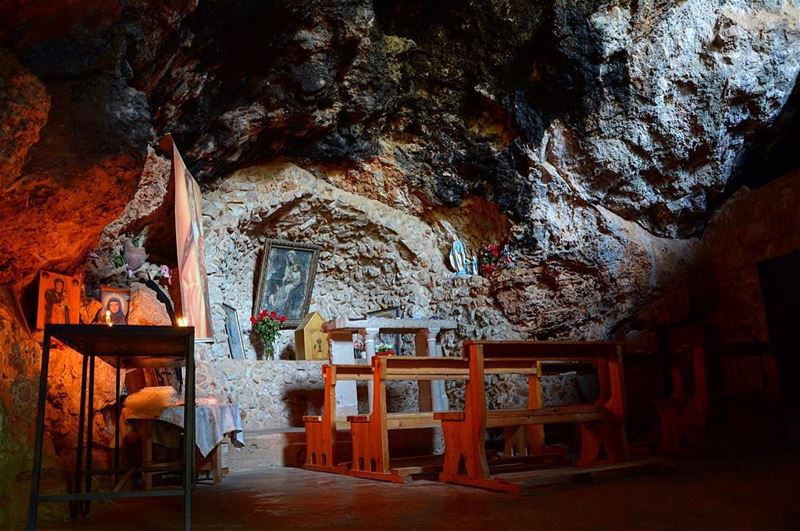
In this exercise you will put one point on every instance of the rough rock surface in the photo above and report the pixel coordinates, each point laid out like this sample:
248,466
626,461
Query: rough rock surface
145,309
753,225
21,358
562,114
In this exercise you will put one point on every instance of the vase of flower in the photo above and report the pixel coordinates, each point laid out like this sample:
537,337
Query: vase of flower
267,325
384,349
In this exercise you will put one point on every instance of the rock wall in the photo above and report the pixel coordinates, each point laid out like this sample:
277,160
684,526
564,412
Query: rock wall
375,256
754,225
21,357
597,137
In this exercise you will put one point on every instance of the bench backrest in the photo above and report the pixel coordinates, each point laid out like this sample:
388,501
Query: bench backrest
544,350
605,356
741,368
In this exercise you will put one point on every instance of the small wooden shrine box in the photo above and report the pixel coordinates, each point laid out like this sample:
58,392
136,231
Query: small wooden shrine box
310,341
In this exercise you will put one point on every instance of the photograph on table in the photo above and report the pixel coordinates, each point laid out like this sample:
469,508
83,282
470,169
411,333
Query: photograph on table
286,280
234,332
115,303
59,299
392,340
10,303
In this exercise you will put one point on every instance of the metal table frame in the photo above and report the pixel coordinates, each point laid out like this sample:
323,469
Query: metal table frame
121,347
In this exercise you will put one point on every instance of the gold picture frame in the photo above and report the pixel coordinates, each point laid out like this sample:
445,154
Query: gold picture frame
286,280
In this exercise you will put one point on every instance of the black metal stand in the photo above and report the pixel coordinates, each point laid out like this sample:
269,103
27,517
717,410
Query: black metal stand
121,347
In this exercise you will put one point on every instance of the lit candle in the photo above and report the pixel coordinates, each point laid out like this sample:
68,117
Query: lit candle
108,317
181,321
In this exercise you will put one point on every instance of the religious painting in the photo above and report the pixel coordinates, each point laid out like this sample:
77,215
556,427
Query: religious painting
234,332
286,280
10,302
59,299
195,303
394,340
115,303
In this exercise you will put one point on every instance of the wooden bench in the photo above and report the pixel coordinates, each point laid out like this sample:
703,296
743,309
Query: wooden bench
744,384
601,424
370,433
684,415
321,429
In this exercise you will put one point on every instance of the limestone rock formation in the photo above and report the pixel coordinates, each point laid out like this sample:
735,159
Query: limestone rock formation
145,309
602,139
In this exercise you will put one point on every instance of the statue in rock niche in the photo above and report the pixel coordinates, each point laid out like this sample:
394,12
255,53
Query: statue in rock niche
458,258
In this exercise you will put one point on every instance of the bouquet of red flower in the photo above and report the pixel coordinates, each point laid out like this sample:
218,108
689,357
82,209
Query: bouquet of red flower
384,349
266,326
494,257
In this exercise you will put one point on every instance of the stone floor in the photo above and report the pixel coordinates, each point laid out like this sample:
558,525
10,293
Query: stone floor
743,489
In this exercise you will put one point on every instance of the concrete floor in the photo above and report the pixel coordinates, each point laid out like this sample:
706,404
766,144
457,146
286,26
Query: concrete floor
744,489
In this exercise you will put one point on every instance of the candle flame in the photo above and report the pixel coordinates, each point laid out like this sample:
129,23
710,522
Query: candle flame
181,321
108,318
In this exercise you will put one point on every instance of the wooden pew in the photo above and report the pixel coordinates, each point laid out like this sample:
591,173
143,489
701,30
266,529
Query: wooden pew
744,383
601,424
370,433
321,429
647,376
684,415
749,368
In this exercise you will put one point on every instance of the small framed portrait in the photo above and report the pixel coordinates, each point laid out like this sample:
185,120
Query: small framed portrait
234,332
115,303
395,340
59,299
286,280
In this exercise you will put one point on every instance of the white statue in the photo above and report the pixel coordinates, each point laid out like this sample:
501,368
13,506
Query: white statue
458,258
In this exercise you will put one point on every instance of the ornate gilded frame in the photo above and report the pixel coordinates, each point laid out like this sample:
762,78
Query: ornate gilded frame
309,287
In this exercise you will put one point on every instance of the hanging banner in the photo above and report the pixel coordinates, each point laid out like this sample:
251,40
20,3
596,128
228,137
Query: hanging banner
196,307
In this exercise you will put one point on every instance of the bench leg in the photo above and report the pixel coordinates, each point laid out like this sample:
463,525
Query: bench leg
320,446
465,462
598,436
523,441
370,456
671,432
359,433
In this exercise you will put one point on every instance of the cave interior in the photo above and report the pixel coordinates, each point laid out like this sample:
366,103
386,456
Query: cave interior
551,250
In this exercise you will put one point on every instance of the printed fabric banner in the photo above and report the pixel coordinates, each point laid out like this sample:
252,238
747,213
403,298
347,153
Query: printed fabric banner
196,307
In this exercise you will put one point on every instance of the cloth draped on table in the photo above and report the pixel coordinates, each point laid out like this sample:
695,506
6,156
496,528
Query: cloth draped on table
214,419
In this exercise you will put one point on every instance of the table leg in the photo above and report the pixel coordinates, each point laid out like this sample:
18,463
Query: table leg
74,506
89,434
189,434
37,449
117,413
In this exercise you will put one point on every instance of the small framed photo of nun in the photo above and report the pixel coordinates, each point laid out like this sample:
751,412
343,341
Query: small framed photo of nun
115,306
